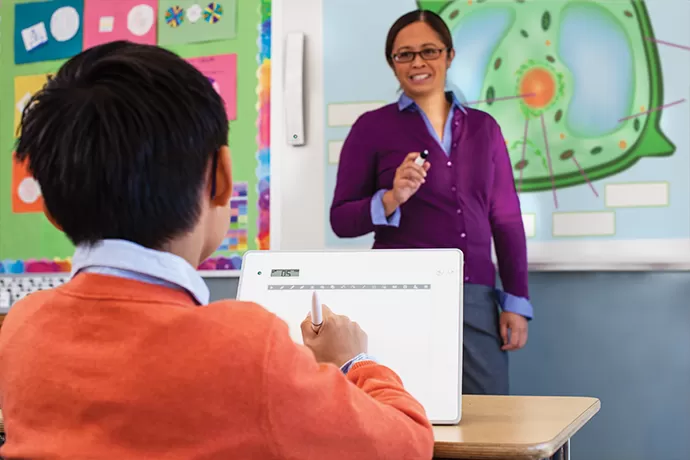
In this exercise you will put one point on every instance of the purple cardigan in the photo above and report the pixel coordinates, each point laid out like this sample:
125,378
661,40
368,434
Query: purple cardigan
469,196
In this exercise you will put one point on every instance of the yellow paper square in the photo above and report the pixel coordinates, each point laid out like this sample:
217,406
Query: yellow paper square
24,88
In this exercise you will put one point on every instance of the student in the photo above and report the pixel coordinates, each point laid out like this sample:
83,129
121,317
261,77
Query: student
128,360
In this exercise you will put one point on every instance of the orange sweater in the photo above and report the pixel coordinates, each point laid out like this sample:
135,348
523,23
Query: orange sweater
110,368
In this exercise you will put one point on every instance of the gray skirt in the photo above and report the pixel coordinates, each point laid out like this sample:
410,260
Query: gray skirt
484,364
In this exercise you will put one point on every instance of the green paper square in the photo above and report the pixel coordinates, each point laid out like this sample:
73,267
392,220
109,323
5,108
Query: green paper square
186,27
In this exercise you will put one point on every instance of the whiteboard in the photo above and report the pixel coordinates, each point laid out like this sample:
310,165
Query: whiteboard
634,217
409,302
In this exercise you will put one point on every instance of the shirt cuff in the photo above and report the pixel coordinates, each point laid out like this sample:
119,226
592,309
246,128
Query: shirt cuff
515,304
360,357
378,211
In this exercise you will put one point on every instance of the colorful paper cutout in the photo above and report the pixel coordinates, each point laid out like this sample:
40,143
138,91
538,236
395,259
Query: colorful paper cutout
17,267
236,238
180,21
221,70
26,193
106,24
64,23
141,19
174,16
34,36
24,88
47,31
222,263
213,12
239,189
194,13
263,156
106,21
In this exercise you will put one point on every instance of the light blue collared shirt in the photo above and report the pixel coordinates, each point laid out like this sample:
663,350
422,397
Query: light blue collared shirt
129,260
508,302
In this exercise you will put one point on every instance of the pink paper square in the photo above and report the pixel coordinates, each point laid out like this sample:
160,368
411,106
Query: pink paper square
110,20
222,71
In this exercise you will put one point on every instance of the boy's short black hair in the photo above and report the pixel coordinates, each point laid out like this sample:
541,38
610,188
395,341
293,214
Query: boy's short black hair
120,141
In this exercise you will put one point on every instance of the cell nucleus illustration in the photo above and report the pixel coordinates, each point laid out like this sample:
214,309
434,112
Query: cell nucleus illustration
575,85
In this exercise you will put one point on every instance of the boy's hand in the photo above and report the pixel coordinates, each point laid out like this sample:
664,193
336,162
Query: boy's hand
337,341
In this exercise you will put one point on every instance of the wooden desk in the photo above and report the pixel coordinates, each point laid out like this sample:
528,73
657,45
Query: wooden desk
514,427
510,427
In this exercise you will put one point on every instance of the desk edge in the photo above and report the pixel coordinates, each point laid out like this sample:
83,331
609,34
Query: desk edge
531,451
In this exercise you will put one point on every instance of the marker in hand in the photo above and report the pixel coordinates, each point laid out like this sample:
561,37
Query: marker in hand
316,312
421,158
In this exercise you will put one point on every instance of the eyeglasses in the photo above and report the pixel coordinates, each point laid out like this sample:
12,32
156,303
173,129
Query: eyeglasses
428,54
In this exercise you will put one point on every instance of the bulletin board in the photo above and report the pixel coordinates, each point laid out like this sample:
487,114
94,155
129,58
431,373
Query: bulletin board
227,40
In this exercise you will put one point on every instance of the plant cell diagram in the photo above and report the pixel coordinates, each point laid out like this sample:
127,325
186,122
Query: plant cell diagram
576,86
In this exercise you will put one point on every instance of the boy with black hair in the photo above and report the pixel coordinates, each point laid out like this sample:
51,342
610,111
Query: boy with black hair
128,360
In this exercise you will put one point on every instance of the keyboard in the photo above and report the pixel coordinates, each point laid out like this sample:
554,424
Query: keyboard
16,287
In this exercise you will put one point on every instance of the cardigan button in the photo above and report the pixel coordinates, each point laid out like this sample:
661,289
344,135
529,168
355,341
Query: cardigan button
449,164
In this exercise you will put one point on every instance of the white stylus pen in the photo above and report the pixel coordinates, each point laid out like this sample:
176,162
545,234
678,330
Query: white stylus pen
316,311
421,158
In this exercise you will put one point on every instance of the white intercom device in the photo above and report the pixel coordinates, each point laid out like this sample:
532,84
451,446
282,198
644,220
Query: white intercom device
294,88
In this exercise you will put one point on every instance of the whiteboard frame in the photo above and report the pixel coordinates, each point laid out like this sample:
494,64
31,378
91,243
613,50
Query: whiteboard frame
297,199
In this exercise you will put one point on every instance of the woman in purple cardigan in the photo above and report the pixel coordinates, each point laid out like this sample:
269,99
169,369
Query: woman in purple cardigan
462,197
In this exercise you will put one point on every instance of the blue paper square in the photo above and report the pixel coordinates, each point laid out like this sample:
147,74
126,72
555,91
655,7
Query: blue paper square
52,30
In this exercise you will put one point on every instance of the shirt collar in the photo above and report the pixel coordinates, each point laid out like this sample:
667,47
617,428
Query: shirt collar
131,258
405,102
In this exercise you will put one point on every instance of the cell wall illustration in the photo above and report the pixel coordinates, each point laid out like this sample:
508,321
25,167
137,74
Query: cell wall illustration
574,85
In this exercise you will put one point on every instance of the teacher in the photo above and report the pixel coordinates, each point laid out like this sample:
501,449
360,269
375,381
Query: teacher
462,197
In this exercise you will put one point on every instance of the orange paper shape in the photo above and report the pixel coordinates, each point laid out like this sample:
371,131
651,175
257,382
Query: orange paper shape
26,193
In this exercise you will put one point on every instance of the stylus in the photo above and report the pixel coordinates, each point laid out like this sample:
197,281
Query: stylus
316,311
422,158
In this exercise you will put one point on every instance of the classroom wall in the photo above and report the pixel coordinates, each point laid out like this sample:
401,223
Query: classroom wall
621,337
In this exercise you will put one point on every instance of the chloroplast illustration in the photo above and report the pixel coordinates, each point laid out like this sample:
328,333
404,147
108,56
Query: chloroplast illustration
574,84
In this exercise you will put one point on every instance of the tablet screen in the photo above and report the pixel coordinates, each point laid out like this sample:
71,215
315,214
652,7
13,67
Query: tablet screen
408,303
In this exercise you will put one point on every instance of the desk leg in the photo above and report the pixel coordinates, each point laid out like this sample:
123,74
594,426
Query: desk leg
563,453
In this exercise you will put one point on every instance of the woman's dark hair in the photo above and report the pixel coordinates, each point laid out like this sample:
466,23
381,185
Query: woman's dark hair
432,19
